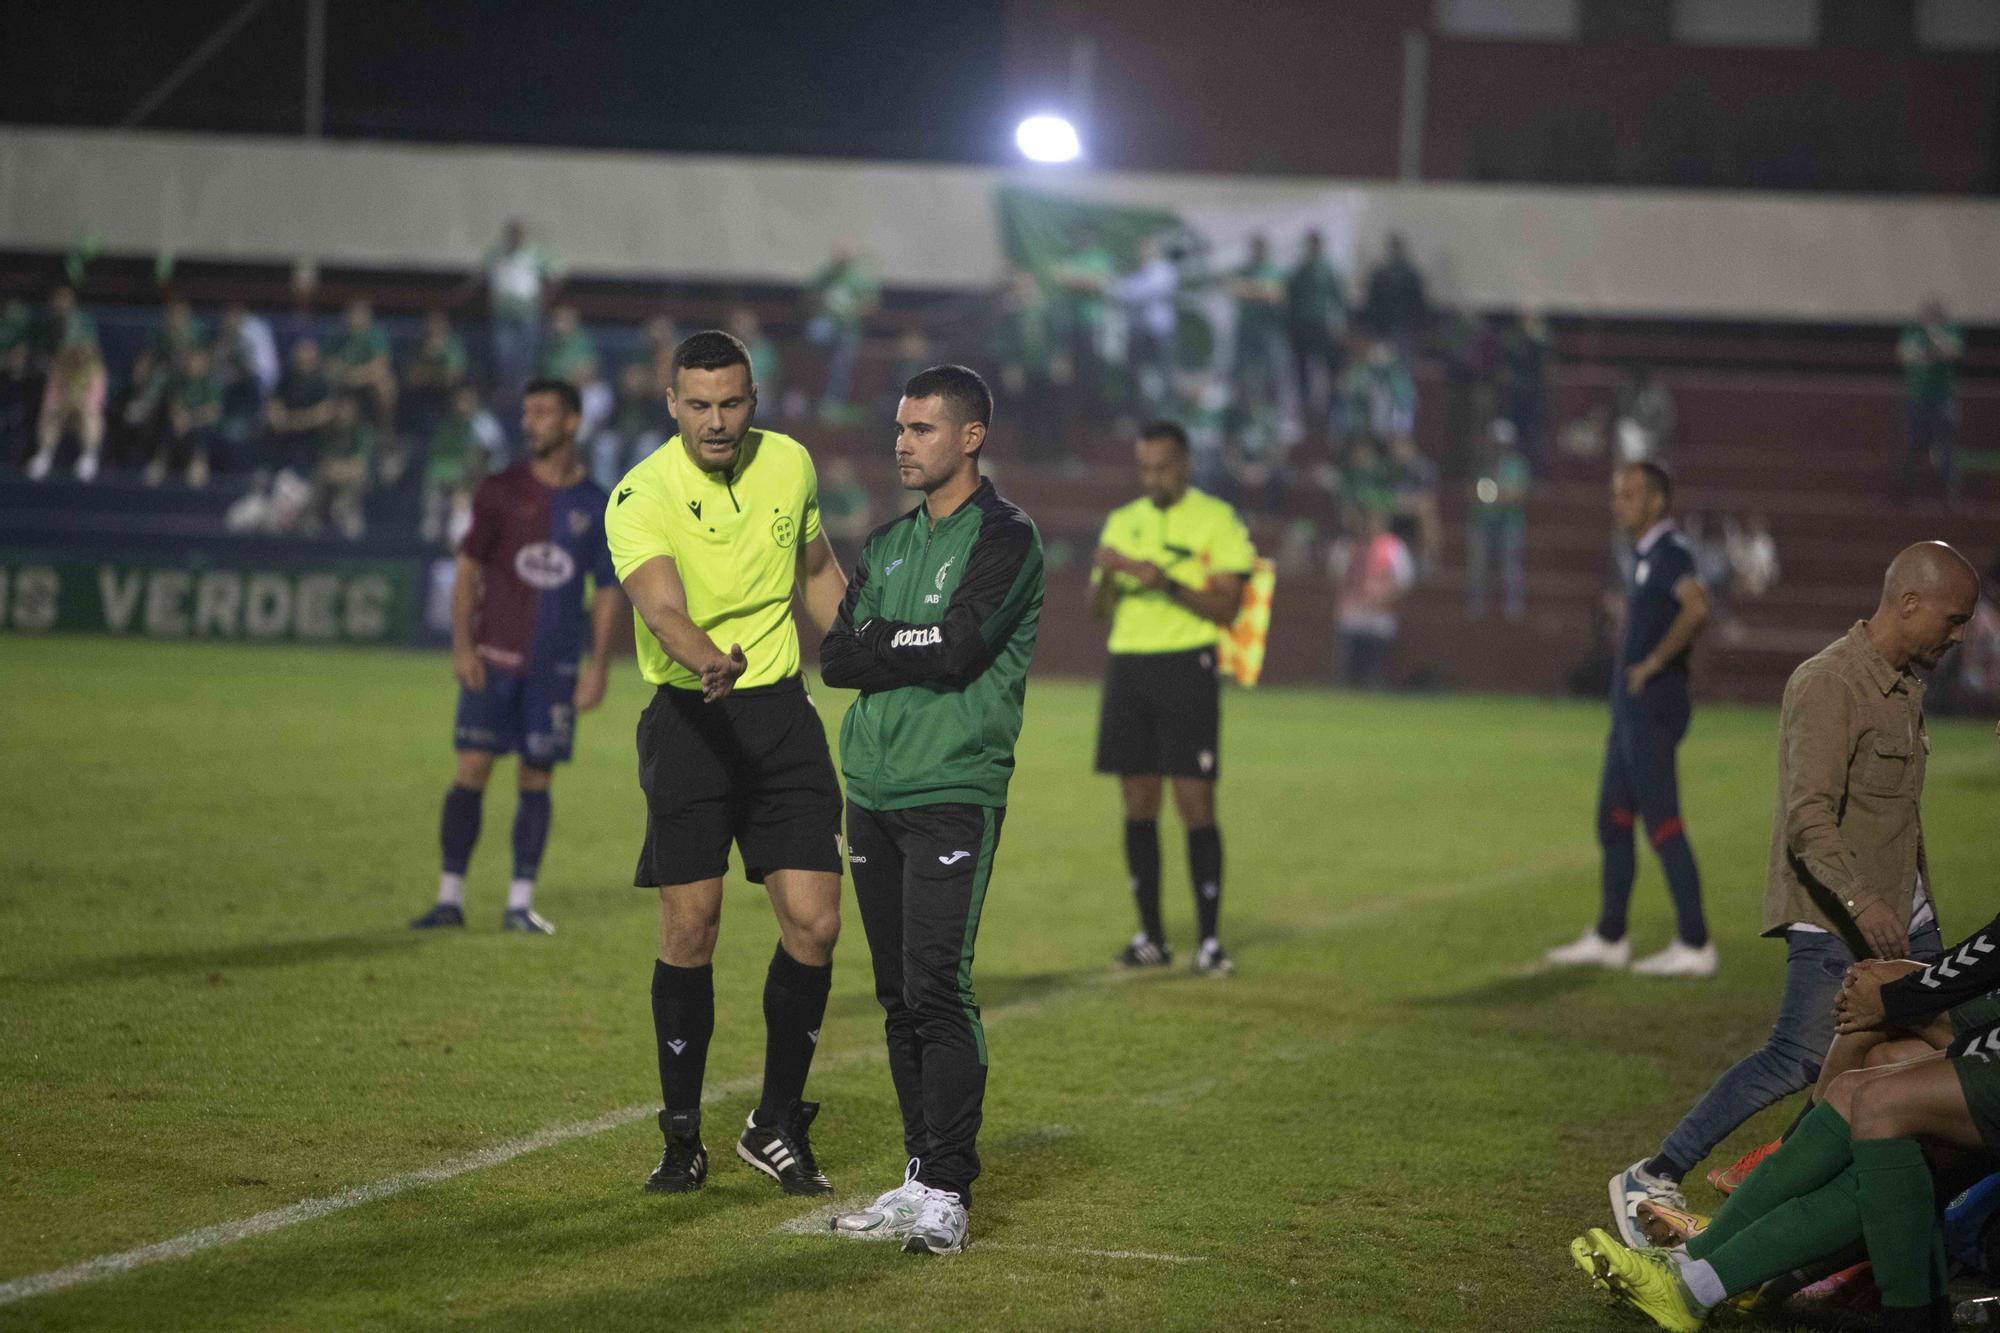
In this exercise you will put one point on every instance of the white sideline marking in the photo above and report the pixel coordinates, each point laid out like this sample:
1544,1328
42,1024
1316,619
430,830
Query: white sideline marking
307,1210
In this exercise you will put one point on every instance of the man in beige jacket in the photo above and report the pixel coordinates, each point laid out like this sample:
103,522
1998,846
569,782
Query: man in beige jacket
1847,877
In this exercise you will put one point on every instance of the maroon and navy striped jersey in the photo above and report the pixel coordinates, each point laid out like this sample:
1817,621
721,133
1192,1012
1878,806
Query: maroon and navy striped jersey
534,544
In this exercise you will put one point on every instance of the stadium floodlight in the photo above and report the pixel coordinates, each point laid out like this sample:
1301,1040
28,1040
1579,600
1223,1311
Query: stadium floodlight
1047,138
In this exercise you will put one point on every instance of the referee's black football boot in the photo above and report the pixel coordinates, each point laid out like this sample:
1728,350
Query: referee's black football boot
444,914
684,1165
1145,951
784,1152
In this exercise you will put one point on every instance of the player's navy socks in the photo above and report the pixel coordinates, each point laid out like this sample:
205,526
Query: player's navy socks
683,1021
1142,864
794,1007
1205,865
1620,866
531,832
1683,882
459,829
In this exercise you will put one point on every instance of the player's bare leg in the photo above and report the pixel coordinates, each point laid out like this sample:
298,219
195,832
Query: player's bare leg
683,1022
775,1140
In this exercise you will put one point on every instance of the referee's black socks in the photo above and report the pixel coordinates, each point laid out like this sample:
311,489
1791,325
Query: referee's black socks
1205,866
683,1021
794,1007
1142,863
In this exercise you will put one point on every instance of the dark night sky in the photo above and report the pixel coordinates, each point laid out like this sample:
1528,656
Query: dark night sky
877,78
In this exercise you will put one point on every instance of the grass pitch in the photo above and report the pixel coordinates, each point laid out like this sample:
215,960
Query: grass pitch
210,1007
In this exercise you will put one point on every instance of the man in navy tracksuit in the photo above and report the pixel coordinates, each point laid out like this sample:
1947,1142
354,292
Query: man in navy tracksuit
1665,608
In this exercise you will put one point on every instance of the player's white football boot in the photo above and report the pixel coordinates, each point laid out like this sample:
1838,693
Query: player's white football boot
891,1215
1591,950
1679,960
940,1224
1630,1188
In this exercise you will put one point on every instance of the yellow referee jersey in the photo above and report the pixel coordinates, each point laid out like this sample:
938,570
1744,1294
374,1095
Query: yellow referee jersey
735,539
1192,539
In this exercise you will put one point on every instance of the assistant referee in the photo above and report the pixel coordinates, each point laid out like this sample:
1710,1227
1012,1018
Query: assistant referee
713,535
1169,572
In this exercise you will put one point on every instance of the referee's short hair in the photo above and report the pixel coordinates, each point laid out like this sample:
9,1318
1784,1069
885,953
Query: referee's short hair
1658,479
1162,429
711,349
565,392
960,386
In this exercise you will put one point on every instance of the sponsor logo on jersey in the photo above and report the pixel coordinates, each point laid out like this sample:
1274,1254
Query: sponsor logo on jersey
544,565
917,638
783,530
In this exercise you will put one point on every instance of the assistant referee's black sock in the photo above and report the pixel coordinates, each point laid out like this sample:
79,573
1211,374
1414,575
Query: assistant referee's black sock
794,1007
1142,864
683,1021
1205,865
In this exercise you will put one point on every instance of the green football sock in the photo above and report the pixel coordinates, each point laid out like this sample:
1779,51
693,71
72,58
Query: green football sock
1898,1217
1796,1233
1819,1149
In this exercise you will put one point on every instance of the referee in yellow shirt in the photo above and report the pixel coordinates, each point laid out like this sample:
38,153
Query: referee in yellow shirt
1169,572
713,536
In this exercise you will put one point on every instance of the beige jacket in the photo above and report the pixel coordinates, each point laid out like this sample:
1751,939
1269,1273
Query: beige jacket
1851,753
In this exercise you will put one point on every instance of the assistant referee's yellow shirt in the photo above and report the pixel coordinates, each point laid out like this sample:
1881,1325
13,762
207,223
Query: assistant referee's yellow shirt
735,539
1192,539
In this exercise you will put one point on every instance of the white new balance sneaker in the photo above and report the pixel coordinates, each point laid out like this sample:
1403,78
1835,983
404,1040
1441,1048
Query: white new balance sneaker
891,1215
1679,960
1591,950
940,1224
1636,1185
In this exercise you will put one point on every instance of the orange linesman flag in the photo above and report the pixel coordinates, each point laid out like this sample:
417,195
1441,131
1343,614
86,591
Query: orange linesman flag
1241,651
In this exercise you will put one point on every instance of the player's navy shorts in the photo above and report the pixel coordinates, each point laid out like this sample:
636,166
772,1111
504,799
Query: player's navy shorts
1162,714
752,769
533,716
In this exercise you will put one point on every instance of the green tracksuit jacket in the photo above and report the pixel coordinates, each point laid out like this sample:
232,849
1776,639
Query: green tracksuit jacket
936,631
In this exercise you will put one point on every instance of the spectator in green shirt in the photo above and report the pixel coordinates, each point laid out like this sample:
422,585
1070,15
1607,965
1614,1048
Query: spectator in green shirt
766,365
432,374
360,364
60,324
158,364
1259,291
1034,368
465,439
72,402
1084,280
300,408
518,275
16,329
846,509
194,420
347,446
1377,398
1929,351
1316,320
570,354
841,295
1496,531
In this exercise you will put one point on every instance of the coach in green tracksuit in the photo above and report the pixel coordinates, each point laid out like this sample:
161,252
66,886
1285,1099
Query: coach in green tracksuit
936,631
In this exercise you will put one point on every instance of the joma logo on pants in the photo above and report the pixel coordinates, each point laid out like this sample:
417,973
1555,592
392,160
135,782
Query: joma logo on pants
916,638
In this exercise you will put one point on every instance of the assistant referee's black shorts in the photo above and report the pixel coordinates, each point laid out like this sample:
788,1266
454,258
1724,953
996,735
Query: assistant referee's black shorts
752,769
1162,715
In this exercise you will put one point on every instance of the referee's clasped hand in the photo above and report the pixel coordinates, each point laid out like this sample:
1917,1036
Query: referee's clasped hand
719,677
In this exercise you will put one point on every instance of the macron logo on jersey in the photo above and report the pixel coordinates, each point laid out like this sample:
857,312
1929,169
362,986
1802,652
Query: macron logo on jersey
917,638
624,495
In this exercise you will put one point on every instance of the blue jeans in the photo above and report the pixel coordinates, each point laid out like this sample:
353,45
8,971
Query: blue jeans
1790,1058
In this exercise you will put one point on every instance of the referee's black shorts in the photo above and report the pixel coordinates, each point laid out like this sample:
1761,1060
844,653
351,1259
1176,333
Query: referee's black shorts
1162,715
752,769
